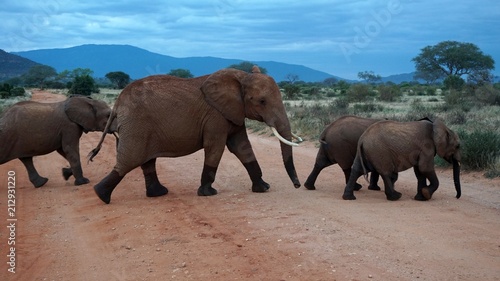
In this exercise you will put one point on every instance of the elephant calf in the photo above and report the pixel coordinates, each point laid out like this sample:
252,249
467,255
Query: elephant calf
338,143
389,147
30,128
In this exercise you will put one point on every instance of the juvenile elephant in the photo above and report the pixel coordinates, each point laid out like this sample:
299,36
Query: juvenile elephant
338,144
389,147
166,116
30,128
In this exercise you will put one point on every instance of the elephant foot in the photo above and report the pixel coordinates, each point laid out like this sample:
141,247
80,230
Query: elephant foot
260,186
67,172
394,196
309,186
427,193
39,182
374,187
155,190
357,187
104,188
420,197
206,191
153,186
81,181
348,196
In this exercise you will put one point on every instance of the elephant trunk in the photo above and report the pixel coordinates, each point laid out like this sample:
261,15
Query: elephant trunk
286,152
456,177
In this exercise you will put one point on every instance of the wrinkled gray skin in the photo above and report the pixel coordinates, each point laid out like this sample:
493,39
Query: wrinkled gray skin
338,144
166,116
30,128
389,147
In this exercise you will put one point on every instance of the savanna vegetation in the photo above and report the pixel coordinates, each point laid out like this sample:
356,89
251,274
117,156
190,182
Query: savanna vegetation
453,82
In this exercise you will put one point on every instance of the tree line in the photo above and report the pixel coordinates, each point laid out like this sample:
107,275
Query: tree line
446,64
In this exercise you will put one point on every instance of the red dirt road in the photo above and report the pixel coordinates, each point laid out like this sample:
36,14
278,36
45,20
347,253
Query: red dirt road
65,232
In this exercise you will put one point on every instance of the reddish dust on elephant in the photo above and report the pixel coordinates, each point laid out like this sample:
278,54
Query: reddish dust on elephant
64,232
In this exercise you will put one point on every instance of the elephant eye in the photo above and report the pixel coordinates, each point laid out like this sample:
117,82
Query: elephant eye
262,102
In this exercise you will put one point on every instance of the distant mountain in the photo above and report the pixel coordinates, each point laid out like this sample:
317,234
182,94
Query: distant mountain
13,65
139,63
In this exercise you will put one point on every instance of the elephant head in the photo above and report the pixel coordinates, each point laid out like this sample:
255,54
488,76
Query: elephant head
238,95
447,146
90,114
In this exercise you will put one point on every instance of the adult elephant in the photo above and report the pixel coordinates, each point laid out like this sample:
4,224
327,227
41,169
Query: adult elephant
30,128
166,116
389,147
338,144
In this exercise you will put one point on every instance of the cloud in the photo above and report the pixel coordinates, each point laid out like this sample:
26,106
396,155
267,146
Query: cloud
304,32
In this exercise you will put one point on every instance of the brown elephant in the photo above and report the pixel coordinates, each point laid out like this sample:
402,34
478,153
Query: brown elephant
389,147
338,144
30,128
166,116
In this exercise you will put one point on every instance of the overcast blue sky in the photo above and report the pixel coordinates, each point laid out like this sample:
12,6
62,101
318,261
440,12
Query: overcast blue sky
339,37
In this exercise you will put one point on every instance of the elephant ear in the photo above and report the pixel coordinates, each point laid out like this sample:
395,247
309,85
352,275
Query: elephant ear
223,90
81,111
442,139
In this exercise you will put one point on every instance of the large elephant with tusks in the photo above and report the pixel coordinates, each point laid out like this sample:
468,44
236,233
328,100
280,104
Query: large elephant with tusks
166,116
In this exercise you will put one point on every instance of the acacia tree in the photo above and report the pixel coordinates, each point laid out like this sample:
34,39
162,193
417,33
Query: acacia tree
451,58
119,78
369,77
182,73
39,75
247,67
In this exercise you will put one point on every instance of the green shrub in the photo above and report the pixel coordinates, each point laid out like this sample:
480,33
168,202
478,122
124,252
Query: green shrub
487,94
358,92
480,149
456,117
389,92
17,91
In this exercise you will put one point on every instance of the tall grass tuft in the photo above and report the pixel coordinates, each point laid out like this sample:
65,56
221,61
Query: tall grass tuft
480,148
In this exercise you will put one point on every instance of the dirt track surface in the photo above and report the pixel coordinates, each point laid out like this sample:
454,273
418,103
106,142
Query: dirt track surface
64,232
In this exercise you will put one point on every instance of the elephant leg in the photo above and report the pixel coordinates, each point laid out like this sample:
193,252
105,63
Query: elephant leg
421,183
33,175
106,186
66,172
258,184
373,181
322,162
153,186
71,151
427,191
347,175
389,181
356,172
240,146
207,178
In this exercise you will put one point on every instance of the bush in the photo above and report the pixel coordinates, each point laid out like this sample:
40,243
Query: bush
17,91
83,85
480,149
418,111
358,92
488,94
367,107
389,92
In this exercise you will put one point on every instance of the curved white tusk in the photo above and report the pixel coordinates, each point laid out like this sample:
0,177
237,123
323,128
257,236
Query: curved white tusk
299,139
282,139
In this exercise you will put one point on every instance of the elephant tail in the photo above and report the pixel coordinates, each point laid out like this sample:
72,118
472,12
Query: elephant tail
107,129
362,160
